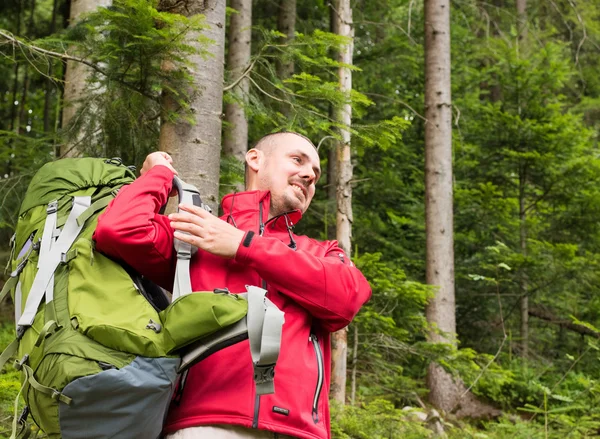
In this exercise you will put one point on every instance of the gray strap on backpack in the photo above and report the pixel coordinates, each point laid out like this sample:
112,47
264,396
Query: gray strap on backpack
265,323
52,259
18,300
188,194
46,244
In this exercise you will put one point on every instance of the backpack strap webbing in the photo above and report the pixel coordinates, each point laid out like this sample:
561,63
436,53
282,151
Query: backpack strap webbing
265,322
52,393
46,243
97,205
51,259
9,352
8,285
188,194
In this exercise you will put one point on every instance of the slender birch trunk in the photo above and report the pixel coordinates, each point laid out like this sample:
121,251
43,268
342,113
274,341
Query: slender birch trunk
196,149
235,140
343,19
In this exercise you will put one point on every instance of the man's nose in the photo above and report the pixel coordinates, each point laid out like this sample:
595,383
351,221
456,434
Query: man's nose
308,174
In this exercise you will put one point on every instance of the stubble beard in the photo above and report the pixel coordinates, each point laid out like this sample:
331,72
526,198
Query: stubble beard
284,203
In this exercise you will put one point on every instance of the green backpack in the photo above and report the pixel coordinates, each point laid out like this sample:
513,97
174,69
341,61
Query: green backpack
98,346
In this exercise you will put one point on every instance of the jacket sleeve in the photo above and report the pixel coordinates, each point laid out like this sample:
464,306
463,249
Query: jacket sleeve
331,288
131,229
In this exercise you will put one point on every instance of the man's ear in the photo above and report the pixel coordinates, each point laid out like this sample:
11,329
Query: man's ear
253,159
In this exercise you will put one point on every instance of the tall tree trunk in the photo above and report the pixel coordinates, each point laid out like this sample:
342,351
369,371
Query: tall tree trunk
15,90
76,76
286,24
196,149
235,141
524,286
49,82
438,195
343,19
332,156
354,366
523,283
23,117
522,19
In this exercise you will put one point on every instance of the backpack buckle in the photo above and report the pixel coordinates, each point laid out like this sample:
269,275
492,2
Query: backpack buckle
23,416
52,207
21,331
19,363
114,161
156,327
264,374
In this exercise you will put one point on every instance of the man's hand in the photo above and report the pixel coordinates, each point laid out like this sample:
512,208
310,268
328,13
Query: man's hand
206,231
157,158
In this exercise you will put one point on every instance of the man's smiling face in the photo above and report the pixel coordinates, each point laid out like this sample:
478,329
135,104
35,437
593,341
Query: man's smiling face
289,168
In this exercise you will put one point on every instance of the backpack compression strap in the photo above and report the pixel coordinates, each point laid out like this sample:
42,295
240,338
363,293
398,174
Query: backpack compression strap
51,258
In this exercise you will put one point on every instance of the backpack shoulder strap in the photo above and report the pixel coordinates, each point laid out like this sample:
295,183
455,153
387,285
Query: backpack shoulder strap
188,194
265,322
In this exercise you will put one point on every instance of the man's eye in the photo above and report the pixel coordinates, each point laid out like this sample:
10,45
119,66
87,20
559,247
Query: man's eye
296,159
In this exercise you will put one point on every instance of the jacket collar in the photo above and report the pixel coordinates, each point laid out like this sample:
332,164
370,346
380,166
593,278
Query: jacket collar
243,209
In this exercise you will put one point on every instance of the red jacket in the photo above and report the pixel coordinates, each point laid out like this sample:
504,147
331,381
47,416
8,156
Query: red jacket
316,286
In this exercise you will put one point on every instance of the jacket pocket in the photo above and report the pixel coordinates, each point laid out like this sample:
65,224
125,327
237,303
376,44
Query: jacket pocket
320,377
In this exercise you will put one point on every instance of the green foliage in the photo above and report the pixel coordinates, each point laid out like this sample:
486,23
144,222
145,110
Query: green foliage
137,53
378,419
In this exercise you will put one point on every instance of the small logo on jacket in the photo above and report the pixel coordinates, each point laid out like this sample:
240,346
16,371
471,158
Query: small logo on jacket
281,411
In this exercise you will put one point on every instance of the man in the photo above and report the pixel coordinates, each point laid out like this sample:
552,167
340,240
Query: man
313,282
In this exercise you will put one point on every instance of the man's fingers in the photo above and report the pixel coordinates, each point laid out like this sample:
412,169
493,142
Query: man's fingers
190,239
195,210
186,226
188,217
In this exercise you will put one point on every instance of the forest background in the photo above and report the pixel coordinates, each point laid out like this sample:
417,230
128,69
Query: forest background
525,109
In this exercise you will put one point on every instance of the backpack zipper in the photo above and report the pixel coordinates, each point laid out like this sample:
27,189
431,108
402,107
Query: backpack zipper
319,387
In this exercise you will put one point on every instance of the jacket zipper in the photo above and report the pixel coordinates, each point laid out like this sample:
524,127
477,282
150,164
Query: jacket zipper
180,386
319,387
261,225
261,230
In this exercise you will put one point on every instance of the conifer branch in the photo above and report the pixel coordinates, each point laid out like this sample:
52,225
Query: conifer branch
10,38
238,80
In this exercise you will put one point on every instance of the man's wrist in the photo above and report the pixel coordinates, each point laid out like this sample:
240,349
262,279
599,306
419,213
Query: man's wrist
245,247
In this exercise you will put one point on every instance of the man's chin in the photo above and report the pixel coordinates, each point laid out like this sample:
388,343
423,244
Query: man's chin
292,204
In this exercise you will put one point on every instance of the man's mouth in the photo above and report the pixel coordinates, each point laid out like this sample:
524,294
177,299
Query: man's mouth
299,189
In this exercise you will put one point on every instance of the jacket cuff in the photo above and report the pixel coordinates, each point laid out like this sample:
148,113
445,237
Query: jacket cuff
244,251
162,171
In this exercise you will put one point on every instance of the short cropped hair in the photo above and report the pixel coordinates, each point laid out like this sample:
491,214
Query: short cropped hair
268,141
269,138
